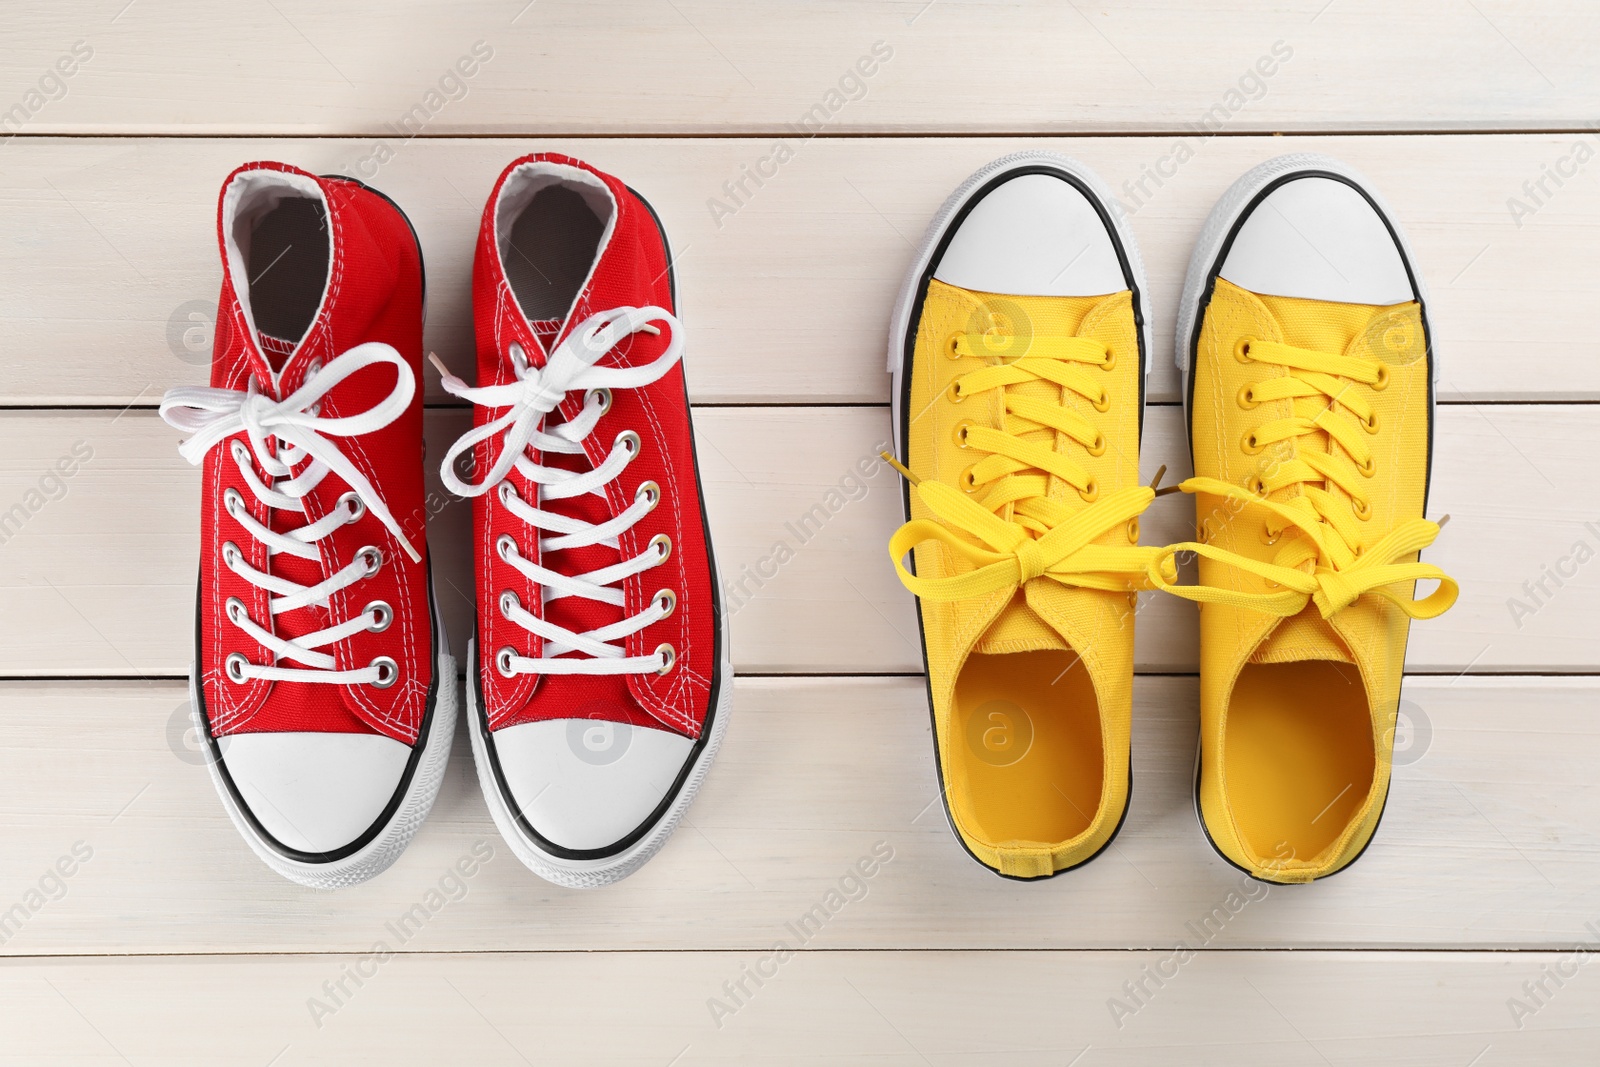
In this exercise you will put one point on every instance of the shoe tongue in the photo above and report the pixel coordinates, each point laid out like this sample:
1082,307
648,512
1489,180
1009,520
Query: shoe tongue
1306,636
275,350
547,330
1018,628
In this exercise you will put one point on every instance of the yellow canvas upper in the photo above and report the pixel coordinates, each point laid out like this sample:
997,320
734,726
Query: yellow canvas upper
1311,435
1024,526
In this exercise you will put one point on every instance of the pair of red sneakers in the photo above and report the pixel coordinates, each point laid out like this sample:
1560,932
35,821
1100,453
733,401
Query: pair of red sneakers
599,675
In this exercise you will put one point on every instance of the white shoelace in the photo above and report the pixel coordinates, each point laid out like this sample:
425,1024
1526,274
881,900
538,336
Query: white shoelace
527,401
212,416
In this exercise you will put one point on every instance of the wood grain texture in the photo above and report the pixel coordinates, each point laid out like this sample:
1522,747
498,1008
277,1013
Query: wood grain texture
891,1008
100,582
558,66
1491,840
109,269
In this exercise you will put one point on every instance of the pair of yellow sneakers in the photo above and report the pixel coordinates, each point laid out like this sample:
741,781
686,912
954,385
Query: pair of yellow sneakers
1019,350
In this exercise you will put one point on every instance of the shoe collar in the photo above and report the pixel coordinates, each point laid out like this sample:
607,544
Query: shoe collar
250,192
519,184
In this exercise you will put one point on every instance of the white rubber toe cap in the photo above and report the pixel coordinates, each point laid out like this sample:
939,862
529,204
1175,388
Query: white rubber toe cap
1318,239
586,783
314,792
1034,235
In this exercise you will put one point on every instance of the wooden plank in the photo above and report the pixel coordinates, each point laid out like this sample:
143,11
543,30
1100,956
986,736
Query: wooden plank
109,268
1489,840
297,67
101,581
1406,1009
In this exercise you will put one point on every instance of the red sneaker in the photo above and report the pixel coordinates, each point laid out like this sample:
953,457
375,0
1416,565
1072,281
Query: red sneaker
602,689
322,681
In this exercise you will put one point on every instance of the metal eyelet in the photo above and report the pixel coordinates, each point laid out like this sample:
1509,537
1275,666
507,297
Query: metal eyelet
968,480
649,491
1104,402
663,546
234,667
388,672
505,491
954,393
235,610
1091,492
605,398
1241,350
357,506
1383,378
232,502
1110,360
962,428
1247,397
1256,485
1369,468
231,554
667,599
374,560
1360,506
1133,530
382,614
1371,424
1250,445
502,661
508,601
1268,537
953,349
670,657
629,440
504,546
240,454
1099,446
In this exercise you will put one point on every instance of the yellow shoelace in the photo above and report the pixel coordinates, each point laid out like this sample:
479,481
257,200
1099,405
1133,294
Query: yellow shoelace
1027,534
1321,386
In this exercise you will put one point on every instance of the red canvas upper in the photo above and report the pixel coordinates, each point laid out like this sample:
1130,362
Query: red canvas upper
632,271
374,293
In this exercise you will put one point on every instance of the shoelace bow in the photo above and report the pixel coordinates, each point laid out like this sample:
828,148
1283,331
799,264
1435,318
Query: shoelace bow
527,401
1027,534
1343,569
282,435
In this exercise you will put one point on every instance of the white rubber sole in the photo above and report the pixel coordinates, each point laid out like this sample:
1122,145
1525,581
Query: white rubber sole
900,322
593,874
381,852
1219,224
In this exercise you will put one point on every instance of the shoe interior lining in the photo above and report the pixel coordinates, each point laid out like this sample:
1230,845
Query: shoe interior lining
551,223
279,252
1025,762
1298,756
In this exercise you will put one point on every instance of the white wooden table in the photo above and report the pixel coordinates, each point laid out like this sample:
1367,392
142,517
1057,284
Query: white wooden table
169,943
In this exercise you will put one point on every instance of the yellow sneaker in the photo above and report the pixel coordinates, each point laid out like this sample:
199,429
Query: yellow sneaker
1018,349
1303,337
